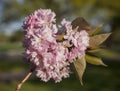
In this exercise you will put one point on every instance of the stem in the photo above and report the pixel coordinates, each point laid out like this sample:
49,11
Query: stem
24,80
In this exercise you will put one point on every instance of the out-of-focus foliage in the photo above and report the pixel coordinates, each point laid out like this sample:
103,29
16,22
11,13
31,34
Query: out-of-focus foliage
14,9
3,38
17,36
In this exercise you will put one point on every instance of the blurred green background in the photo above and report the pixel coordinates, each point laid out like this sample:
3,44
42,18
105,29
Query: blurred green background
96,78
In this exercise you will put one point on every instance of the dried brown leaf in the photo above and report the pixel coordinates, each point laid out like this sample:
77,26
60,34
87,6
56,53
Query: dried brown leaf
97,29
96,40
80,66
81,23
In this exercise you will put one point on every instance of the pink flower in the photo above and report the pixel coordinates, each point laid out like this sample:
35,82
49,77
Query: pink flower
79,41
52,58
54,65
39,18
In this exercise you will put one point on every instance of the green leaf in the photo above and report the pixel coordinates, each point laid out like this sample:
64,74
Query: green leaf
94,60
81,23
96,40
80,66
97,29
107,53
93,50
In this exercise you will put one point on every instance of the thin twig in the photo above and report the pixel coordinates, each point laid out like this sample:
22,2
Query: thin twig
23,81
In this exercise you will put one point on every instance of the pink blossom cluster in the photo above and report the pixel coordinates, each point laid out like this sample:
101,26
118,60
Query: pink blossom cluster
50,57
77,41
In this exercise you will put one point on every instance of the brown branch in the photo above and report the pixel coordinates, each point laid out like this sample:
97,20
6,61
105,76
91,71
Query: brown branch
24,80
